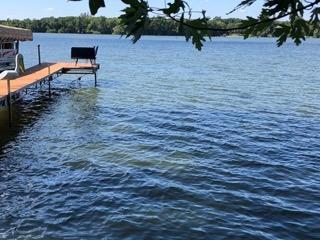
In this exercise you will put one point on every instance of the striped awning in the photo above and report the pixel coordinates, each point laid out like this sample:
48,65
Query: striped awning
15,34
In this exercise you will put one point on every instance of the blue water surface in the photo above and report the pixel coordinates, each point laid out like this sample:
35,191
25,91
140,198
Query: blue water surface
172,144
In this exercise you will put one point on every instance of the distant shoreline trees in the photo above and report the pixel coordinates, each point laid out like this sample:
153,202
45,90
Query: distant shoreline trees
86,24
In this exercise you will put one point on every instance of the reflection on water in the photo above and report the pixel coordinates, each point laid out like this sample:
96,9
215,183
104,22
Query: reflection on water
25,111
173,144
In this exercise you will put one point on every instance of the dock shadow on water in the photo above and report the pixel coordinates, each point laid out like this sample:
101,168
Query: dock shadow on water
30,107
24,114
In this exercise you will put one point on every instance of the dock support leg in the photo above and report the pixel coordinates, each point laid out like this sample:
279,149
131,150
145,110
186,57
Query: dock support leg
95,79
49,82
9,102
39,54
9,111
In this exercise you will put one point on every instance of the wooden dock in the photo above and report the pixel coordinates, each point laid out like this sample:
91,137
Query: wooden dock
44,72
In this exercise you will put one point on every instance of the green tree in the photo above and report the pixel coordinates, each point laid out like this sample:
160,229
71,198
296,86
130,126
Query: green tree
157,26
136,18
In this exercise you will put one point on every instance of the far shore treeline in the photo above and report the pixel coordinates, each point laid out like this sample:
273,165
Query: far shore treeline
102,25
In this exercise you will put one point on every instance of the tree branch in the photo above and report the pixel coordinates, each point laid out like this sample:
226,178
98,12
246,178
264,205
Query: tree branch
246,26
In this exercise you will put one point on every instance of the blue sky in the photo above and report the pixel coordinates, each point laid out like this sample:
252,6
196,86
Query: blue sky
20,9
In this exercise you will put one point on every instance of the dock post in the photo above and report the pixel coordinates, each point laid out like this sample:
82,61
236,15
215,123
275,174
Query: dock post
95,78
9,103
39,54
49,82
17,46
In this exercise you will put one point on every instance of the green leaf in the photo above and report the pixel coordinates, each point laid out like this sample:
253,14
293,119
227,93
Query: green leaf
193,31
135,18
95,5
174,7
244,3
281,32
180,27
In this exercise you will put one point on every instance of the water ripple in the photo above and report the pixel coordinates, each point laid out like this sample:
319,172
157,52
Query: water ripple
219,156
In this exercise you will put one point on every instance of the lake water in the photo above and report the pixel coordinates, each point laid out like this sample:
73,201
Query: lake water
172,144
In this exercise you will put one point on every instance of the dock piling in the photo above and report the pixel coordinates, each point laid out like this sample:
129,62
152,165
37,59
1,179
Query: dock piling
39,54
49,83
9,102
95,78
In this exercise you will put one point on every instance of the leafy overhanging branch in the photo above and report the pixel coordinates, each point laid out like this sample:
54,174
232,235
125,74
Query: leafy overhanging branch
135,19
